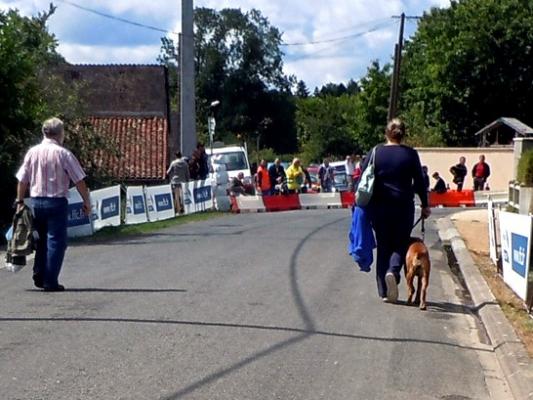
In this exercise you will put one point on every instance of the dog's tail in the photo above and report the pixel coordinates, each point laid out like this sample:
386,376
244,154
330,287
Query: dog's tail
417,262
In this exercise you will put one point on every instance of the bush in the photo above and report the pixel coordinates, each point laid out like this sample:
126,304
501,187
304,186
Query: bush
525,169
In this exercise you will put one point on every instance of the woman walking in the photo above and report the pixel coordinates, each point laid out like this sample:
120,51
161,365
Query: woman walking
398,176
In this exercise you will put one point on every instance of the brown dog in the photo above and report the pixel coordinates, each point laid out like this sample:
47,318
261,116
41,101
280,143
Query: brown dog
417,264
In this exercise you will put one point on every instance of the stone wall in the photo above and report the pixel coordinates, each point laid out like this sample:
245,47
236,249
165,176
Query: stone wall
500,160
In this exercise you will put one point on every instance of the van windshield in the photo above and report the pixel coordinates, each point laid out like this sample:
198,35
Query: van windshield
234,161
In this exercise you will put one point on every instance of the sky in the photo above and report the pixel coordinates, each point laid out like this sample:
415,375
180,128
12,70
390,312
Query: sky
366,27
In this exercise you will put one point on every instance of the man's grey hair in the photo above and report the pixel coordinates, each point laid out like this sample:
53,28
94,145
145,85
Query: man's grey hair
52,127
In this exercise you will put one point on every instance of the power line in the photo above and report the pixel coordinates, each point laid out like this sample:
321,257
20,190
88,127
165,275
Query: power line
337,39
124,20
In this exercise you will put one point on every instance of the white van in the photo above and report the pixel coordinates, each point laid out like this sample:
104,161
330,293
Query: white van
234,158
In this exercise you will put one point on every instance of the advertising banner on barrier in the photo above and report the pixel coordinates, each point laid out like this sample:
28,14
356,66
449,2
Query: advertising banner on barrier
159,202
135,205
515,231
197,196
78,224
106,207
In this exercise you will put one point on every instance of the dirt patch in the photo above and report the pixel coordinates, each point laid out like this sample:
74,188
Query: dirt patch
476,237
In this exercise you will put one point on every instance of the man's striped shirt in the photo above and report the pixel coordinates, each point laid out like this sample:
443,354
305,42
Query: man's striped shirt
48,168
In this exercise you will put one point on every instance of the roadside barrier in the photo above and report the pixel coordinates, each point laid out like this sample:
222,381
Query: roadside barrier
347,199
452,198
466,198
282,203
248,203
288,202
320,200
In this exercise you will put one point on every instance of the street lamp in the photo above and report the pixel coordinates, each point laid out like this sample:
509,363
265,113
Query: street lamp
211,122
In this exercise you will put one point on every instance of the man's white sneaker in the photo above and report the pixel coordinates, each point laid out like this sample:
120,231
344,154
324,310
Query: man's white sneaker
392,287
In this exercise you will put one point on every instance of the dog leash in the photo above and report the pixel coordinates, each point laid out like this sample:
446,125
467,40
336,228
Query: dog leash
422,227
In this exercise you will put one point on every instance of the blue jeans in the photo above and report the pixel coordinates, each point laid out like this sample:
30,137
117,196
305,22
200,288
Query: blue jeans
50,222
392,224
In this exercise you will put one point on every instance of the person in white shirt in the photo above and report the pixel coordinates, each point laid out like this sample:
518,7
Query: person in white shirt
350,167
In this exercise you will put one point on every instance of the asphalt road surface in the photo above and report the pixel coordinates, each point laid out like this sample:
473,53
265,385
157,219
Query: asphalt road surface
252,306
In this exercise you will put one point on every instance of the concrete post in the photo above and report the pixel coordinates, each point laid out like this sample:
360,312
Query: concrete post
521,145
187,87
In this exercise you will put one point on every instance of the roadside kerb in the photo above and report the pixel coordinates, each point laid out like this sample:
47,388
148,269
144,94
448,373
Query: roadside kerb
508,348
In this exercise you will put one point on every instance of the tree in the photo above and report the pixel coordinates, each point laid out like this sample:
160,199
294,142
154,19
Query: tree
239,62
25,48
468,65
372,106
31,90
301,90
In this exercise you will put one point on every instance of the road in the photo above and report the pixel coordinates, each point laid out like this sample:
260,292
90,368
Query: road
251,306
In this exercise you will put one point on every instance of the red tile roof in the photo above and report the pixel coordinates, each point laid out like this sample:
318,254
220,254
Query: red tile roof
142,144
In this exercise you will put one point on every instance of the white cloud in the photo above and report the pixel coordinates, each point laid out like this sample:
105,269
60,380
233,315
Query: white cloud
299,20
83,54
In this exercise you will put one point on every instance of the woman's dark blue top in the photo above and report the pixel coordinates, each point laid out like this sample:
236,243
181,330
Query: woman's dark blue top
398,175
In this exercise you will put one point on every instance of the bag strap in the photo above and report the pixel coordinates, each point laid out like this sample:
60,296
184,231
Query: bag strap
372,156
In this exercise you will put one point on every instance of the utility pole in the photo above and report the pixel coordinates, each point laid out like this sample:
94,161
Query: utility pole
395,80
393,98
187,86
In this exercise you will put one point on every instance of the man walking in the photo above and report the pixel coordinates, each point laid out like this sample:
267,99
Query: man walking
459,172
47,171
325,175
350,168
480,173
178,171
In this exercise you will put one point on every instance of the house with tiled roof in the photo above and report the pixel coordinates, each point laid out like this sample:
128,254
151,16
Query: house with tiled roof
130,103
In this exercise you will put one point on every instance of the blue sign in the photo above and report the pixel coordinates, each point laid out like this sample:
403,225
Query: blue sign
163,202
138,205
202,194
76,216
110,207
519,250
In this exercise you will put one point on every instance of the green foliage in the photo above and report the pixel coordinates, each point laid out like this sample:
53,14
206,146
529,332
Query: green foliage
372,106
525,169
30,92
239,62
468,65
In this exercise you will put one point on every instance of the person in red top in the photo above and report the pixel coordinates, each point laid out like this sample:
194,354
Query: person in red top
263,179
480,173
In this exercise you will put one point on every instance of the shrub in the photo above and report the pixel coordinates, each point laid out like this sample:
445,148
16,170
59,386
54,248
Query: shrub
525,169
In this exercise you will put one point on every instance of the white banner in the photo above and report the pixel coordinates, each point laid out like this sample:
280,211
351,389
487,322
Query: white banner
197,196
78,224
159,202
106,208
515,231
135,205
493,245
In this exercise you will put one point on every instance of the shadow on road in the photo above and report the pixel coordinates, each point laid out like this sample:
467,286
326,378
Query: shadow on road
308,330
113,290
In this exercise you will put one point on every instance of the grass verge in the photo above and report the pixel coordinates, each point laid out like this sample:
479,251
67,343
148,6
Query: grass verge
115,232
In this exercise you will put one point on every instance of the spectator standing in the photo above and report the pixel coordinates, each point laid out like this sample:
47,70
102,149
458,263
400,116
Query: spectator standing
427,183
199,164
178,172
277,175
357,171
237,186
263,179
440,185
325,175
295,176
350,168
47,170
480,173
459,172
398,176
